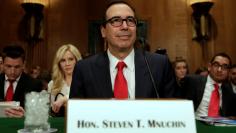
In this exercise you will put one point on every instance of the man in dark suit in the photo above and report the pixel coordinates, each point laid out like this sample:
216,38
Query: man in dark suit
232,77
14,63
1,63
95,77
200,88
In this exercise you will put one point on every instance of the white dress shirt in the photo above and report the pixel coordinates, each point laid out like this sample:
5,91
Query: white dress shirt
7,84
65,90
202,109
233,87
129,71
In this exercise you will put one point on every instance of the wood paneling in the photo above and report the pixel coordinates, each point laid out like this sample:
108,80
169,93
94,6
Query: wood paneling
169,26
67,23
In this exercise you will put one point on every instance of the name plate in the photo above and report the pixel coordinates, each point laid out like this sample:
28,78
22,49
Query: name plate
130,116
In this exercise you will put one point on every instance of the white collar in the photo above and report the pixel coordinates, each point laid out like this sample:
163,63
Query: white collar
17,79
211,81
129,60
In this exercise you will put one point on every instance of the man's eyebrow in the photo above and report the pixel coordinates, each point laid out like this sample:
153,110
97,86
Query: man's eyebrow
219,62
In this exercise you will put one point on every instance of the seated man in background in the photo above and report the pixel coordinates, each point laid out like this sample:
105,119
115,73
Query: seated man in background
202,71
35,72
211,95
1,63
232,77
14,83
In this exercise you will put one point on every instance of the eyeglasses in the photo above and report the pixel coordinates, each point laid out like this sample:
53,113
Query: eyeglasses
117,21
217,65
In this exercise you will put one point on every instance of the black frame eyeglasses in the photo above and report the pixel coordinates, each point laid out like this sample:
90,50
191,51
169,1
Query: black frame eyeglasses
218,65
117,21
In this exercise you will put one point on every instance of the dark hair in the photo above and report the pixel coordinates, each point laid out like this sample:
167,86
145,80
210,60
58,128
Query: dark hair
45,76
13,51
180,59
233,66
201,69
161,51
222,54
114,2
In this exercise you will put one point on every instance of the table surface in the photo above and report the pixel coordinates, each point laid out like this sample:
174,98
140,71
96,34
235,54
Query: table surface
11,125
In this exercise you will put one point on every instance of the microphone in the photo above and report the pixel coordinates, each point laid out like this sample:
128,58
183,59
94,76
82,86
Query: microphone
143,43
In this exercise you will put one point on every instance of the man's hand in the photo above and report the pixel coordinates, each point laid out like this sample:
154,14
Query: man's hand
16,112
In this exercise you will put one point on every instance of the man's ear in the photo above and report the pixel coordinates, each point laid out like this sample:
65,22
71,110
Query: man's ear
209,67
103,32
24,64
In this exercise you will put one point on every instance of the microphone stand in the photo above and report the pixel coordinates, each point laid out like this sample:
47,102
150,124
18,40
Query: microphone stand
142,41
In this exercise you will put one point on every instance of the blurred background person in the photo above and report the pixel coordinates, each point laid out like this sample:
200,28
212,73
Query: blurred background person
180,67
62,69
1,63
35,71
14,83
202,71
232,77
210,94
45,77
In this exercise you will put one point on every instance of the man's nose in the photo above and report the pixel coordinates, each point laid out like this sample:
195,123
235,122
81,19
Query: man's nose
219,68
124,24
12,70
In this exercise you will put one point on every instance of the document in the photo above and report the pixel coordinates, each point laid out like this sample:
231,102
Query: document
10,104
218,121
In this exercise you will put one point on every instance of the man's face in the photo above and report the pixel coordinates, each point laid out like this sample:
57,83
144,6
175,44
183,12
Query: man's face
119,38
219,69
233,75
13,67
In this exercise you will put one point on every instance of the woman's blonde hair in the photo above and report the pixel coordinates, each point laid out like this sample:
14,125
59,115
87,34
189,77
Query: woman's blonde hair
57,73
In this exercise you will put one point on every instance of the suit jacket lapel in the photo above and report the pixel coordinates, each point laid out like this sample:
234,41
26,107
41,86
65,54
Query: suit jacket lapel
19,92
200,90
141,73
102,74
2,79
228,98
202,87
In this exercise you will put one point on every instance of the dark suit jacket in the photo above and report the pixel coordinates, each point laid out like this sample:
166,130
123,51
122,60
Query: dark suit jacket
25,84
194,86
91,77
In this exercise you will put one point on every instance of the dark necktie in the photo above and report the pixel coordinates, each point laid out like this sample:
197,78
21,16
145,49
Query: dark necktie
214,105
9,94
120,85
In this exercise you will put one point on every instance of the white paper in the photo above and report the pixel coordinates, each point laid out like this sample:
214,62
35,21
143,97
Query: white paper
130,116
10,104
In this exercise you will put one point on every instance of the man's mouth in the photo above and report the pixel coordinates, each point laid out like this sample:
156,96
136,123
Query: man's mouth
123,34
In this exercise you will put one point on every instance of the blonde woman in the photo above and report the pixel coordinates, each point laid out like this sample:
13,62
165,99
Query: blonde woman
63,66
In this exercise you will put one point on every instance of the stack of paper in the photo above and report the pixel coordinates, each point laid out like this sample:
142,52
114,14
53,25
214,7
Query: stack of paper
218,121
4,105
